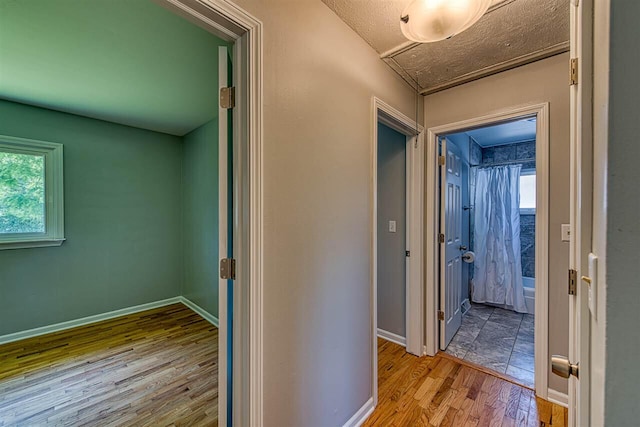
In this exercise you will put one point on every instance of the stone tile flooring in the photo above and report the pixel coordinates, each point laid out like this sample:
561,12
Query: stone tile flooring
497,339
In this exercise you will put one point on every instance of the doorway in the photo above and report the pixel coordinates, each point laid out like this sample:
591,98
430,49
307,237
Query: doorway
490,268
407,146
240,401
490,222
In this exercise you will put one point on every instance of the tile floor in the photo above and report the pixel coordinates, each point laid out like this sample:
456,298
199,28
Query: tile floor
497,339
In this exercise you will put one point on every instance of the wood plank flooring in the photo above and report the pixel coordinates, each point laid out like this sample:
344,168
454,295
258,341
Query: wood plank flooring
154,368
441,392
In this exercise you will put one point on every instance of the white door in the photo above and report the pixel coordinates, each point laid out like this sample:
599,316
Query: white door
225,249
451,244
581,216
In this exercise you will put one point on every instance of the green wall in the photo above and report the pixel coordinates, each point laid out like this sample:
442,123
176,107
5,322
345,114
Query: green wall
123,222
200,179
132,62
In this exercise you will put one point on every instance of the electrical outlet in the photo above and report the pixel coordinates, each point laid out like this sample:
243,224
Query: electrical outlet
566,232
392,226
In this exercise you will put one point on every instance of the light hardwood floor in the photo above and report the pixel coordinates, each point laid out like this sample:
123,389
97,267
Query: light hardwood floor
158,367
441,391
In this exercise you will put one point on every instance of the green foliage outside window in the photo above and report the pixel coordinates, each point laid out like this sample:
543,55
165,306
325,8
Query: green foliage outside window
22,193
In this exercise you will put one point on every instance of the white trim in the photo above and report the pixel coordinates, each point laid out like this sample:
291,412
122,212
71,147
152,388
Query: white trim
541,110
201,311
386,114
390,336
52,154
361,416
558,398
57,327
223,16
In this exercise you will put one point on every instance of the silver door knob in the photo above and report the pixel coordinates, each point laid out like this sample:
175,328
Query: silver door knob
561,366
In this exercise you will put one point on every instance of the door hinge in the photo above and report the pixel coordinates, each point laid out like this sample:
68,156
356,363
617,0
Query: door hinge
573,71
440,315
228,268
228,97
442,160
440,238
407,253
573,281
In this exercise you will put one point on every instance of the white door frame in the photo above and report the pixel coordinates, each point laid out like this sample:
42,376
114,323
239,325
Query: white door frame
231,23
389,116
541,111
581,208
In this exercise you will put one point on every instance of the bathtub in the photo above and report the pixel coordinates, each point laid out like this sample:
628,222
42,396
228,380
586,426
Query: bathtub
529,284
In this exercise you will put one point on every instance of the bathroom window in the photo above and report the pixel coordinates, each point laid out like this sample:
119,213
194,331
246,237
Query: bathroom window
528,192
31,203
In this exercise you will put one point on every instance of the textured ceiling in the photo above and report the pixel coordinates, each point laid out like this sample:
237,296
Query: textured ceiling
511,33
122,61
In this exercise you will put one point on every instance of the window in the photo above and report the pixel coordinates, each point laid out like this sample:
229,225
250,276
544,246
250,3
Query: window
528,192
31,193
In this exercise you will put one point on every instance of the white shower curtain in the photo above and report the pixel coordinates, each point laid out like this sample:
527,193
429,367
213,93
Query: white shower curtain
497,275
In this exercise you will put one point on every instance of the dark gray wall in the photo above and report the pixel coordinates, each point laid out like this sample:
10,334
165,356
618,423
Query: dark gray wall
391,246
200,218
122,222
623,229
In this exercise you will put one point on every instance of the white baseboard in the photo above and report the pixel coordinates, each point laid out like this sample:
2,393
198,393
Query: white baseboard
390,336
17,336
361,416
201,311
558,398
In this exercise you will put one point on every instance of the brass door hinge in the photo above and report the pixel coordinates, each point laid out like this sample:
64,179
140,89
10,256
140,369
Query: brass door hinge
573,71
228,268
442,160
228,97
573,281
440,315
440,238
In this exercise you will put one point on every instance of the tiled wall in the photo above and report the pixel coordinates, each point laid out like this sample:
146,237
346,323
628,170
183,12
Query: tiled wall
524,152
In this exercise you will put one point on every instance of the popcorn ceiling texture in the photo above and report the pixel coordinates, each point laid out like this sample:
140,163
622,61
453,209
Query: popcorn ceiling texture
511,33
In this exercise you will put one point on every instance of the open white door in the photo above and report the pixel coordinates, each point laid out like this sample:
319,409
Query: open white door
581,213
450,242
225,248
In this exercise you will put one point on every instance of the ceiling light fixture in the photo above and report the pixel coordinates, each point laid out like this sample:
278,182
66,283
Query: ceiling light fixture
426,21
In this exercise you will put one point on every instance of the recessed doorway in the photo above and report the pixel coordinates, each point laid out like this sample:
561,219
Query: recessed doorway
490,225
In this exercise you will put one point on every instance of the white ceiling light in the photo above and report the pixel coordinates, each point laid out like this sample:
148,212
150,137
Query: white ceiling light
425,21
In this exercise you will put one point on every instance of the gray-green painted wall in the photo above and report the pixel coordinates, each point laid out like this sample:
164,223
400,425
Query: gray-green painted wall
123,223
623,228
392,202
200,179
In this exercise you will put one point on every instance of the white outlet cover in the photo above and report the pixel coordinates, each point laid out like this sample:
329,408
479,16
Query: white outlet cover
392,226
566,232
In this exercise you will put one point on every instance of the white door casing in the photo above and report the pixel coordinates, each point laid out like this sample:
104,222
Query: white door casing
580,210
450,249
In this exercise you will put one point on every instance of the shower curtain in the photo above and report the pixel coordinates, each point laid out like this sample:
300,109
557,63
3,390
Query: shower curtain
498,266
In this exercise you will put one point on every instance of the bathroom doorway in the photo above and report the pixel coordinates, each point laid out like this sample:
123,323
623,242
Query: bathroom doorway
490,227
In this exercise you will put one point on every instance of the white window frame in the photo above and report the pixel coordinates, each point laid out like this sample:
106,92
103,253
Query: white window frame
54,193
529,211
